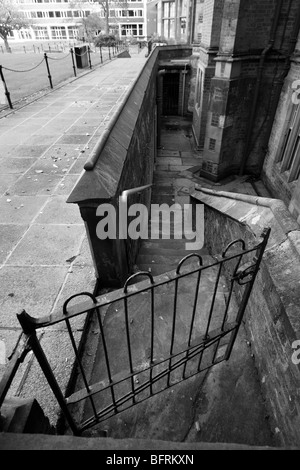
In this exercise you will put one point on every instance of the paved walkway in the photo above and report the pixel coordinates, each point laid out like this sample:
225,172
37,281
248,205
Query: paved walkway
44,257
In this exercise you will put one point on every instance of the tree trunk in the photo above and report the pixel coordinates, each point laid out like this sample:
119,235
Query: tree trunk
106,17
8,49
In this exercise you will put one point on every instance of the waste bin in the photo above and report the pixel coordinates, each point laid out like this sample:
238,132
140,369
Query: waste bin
81,54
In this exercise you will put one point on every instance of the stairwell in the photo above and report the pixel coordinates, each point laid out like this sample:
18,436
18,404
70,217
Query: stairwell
170,186
221,405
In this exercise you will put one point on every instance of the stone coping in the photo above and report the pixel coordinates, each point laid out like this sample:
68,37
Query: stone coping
282,255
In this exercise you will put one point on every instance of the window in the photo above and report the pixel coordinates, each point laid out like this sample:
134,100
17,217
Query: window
168,9
58,32
212,144
41,32
215,118
73,32
289,155
199,88
169,19
222,69
197,22
131,29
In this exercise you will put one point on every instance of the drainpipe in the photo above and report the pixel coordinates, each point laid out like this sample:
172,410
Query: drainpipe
184,72
159,100
258,82
280,82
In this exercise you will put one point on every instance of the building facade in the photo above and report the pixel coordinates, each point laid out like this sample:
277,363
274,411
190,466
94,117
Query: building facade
245,63
171,20
243,77
61,19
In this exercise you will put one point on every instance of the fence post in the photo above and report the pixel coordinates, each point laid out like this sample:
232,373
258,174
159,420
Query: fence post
5,88
89,56
109,52
73,62
35,346
47,65
100,47
33,48
24,49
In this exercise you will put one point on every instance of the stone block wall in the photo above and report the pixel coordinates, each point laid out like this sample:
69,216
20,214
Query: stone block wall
271,317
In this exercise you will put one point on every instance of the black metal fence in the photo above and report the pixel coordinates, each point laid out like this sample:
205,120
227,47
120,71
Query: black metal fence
204,320
78,57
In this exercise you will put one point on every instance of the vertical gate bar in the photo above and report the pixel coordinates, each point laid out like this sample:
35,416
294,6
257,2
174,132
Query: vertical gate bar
230,293
129,348
81,368
106,359
192,320
200,359
259,254
173,329
46,368
213,299
152,338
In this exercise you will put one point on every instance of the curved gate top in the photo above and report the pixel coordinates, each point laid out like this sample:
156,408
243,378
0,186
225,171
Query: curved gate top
155,333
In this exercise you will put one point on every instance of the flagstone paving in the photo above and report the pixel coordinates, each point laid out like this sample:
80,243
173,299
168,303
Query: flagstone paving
44,257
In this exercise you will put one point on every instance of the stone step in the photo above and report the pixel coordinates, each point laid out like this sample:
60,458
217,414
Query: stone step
161,258
168,247
157,269
162,189
163,198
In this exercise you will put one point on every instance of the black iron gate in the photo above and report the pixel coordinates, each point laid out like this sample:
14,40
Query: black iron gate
187,321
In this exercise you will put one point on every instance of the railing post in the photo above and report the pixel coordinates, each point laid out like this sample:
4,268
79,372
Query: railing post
89,56
73,62
5,88
35,346
109,52
47,65
101,54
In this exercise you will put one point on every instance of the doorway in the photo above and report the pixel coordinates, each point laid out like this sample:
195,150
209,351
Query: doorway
170,94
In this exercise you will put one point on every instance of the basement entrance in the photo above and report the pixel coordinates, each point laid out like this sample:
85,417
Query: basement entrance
144,370
170,105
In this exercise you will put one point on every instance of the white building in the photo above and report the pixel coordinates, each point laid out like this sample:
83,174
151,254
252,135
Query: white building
61,19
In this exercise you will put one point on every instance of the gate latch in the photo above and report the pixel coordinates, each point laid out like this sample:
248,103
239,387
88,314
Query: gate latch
245,272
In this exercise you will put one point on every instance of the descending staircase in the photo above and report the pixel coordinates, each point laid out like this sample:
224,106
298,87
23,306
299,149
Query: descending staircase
171,186
214,406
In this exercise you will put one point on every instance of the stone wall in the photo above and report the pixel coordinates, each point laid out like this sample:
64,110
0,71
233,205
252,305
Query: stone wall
272,314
